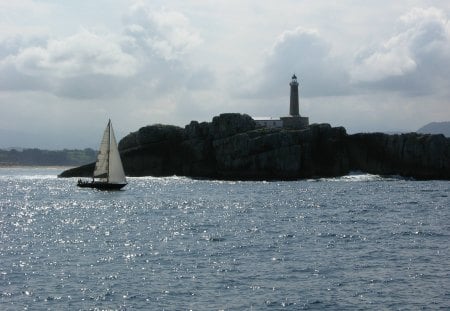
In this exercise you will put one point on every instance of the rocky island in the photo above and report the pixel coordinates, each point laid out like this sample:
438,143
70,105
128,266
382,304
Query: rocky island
234,147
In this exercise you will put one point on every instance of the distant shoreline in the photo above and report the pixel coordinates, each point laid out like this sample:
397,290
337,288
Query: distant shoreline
38,157
12,165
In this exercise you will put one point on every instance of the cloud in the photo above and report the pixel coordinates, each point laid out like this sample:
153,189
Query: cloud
414,60
167,34
81,54
305,53
152,52
163,41
54,65
393,60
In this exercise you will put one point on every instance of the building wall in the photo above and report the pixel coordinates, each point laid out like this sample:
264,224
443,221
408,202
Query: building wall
269,123
295,122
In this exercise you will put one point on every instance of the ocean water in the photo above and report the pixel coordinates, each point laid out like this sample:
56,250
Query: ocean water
350,243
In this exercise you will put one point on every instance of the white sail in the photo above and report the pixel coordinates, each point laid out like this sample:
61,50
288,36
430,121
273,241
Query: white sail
116,173
101,166
109,167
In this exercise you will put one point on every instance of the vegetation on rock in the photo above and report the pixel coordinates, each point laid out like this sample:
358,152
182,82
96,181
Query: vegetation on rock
46,157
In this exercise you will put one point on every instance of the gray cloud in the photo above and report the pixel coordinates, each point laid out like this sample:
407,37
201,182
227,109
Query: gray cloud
57,66
154,48
305,53
90,86
166,34
415,60
77,55
11,79
162,40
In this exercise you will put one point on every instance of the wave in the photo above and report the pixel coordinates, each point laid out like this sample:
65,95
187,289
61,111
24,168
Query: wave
361,177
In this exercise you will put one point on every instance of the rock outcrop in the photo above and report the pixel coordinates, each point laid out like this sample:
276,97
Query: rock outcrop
153,151
282,154
233,147
421,156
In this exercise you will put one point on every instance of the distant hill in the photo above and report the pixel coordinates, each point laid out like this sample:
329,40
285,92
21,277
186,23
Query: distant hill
46,157
436,128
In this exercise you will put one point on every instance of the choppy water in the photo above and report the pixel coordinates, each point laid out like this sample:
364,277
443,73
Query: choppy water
358,242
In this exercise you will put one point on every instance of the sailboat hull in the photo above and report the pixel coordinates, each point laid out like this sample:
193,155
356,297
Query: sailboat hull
101,185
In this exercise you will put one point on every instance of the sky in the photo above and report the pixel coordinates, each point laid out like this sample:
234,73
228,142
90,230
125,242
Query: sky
66,67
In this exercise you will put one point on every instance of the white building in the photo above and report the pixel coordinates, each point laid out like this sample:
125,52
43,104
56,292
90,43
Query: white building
269,122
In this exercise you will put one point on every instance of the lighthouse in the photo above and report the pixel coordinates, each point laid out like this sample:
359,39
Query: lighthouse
294,110
294,120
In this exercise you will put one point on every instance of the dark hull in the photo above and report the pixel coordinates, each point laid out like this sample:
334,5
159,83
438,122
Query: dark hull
100,185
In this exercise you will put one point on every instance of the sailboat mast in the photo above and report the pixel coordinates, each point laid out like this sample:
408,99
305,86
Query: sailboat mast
109,150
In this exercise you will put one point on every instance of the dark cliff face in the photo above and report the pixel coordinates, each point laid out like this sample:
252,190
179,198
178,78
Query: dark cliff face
233,147
152,151
282,154
420,156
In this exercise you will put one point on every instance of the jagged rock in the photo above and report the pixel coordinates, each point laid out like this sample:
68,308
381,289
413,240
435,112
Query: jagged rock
148,135
153,150
414,155
232,147
195,130
282,154
228,124
80,171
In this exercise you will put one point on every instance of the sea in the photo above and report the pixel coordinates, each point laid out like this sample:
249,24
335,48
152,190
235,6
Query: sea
358,242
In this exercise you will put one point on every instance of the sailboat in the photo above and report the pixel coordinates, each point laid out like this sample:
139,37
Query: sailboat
108,172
